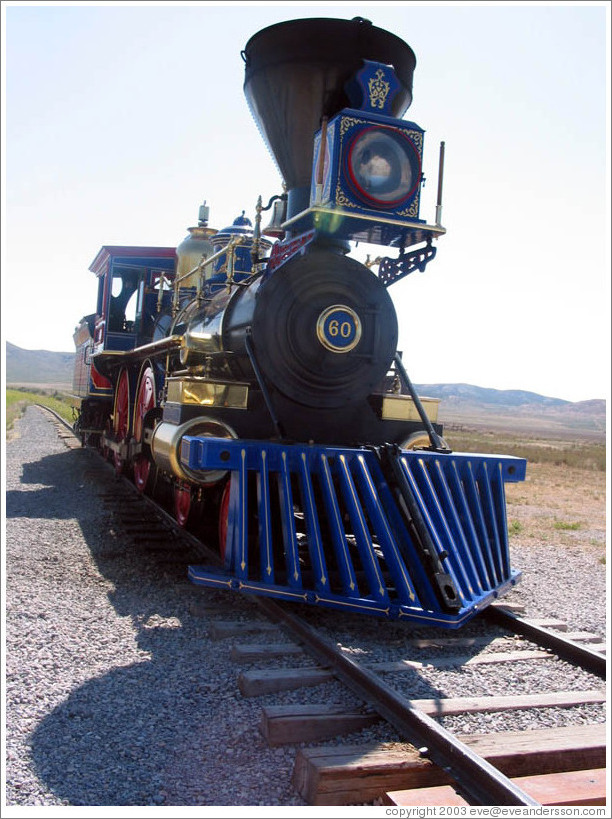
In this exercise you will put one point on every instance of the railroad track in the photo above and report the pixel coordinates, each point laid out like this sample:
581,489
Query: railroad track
430,765
434,766
138,515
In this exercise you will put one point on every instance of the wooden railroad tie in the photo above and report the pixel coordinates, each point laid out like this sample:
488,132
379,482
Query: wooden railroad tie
285,724
221,629
354,774
578,788
252,653
257,682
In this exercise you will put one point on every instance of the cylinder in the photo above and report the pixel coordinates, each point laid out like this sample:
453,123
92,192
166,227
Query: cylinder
166,447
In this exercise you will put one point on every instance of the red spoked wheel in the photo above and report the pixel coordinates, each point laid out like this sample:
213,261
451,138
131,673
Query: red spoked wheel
145,401
182,503
224,519
121,417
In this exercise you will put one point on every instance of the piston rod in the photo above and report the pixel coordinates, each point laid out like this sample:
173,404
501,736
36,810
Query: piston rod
436,441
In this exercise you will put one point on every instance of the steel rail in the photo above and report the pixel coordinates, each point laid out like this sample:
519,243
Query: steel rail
580,655
478,780
59,418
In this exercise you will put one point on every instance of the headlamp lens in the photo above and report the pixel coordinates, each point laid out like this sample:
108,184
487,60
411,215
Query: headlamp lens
380,165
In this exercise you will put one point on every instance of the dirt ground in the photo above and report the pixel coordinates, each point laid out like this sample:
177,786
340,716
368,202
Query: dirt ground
559,504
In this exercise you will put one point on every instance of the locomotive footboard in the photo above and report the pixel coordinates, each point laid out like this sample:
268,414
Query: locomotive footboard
415,535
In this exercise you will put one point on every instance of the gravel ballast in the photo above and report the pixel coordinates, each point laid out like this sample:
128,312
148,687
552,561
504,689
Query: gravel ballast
116,694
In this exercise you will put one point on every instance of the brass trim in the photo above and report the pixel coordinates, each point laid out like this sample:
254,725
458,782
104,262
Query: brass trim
323,333
166,445
111,353
386,220
206,393
403,408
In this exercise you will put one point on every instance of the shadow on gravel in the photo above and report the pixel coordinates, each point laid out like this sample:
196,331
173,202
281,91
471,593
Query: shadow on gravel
59,476
138,734
131,738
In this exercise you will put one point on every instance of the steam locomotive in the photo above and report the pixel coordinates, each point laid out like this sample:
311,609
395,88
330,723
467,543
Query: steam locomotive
252,373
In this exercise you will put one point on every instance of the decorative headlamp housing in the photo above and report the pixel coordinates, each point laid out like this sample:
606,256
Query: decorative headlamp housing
371,164
367,167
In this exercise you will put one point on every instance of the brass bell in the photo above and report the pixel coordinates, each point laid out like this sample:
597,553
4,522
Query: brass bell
279,214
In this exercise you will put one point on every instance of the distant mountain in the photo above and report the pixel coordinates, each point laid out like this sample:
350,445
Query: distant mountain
461,404
468,394
464,405
595,406
38,366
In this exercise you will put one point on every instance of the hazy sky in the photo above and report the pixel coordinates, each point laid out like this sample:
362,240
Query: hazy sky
119,120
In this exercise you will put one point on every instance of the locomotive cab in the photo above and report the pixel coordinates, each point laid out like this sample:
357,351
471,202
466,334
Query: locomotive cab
134,284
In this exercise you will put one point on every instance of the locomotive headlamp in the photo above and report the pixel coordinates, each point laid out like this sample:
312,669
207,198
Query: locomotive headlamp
367,165
382,167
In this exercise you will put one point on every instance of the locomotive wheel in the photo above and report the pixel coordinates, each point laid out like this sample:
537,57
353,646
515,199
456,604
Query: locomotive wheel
418,440
182,503
121,417
144,470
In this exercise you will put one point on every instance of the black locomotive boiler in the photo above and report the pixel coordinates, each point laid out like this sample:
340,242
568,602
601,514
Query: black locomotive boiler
252,373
